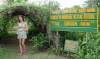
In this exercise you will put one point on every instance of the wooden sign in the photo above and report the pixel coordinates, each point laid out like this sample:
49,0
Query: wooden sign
84,20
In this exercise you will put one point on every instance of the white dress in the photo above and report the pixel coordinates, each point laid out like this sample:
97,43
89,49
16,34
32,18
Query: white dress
22,34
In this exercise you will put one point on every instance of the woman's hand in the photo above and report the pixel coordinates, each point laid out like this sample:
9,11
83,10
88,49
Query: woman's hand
26,27
26,30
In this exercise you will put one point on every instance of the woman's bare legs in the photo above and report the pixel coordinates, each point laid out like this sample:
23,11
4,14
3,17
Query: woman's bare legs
23,45
20,46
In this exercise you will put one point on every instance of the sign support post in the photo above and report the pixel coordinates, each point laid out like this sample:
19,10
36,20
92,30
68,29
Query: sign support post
97,18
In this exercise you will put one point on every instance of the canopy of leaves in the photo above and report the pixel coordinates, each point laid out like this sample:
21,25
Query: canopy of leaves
37,15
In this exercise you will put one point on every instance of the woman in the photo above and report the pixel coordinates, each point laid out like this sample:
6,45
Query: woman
22,34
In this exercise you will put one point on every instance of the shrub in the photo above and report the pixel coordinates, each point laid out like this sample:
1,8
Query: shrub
89,47
40,41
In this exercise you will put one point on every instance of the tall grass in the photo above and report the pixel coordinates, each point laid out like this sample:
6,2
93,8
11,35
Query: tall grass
2,52
89,47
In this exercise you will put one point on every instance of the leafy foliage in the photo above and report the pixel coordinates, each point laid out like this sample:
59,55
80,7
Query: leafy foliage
89,46
40,42
36,15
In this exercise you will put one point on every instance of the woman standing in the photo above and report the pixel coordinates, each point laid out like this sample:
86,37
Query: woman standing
22,34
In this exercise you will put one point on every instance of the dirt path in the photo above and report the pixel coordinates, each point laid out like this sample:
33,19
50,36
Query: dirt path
12,52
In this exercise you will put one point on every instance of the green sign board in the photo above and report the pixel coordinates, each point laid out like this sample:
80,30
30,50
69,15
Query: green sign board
81,20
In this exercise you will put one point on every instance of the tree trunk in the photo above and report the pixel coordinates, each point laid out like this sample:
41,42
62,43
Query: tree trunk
53,38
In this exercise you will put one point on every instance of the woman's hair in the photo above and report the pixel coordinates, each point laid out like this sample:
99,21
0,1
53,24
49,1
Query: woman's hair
22,18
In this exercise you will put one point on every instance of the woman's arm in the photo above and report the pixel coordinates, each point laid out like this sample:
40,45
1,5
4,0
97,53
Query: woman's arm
17,28
26,27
